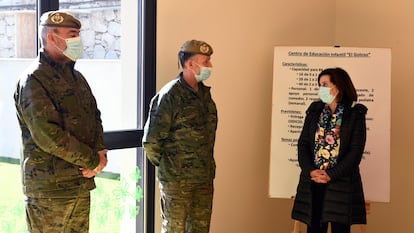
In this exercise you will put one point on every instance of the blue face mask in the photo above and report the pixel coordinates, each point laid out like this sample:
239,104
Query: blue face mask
325,95
204,74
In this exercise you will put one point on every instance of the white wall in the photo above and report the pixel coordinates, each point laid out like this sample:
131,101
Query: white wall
386,24
242,34
9,128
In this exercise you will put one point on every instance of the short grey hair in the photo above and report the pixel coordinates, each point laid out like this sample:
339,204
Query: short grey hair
43,31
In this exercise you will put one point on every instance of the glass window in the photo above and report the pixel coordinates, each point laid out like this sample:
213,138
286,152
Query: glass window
117,202
17,29
17,50
101,26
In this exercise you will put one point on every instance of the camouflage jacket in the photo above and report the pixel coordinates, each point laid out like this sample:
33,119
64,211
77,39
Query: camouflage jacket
61,129
180,131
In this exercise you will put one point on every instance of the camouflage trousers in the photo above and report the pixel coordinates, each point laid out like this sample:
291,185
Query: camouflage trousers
186,208
58,215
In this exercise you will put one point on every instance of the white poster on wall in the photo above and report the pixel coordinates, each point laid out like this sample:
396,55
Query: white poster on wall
295,86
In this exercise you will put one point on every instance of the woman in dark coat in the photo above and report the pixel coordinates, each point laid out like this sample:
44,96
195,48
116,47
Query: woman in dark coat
330,149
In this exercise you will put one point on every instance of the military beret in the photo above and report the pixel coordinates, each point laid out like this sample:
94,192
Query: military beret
196,47
59,19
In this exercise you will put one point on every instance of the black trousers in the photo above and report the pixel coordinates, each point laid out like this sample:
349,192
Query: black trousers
318,195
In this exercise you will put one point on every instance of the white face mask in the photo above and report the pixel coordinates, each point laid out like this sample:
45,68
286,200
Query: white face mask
204,74
325,95
74,48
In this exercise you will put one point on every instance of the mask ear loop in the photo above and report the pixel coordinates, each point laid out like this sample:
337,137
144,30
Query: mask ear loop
57,47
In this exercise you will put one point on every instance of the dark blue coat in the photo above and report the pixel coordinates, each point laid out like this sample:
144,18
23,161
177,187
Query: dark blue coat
344,199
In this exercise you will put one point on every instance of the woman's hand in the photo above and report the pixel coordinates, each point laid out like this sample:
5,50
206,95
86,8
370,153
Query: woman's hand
320,176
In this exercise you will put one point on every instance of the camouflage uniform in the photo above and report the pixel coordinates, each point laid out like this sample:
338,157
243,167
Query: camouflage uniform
61,132
179,138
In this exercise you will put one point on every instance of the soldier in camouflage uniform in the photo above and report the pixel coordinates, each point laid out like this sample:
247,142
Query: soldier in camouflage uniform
62,131
179,138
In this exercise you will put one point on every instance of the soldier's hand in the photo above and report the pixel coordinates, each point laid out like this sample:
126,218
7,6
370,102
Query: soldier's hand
103,160
88,173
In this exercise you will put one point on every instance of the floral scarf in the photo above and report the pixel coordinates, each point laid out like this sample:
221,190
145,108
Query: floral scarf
327,140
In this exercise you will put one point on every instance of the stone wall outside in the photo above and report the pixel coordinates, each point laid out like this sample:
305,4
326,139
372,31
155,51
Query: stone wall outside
7,34
100,32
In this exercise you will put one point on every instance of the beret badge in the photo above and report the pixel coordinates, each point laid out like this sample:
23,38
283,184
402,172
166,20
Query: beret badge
57,18
204,48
